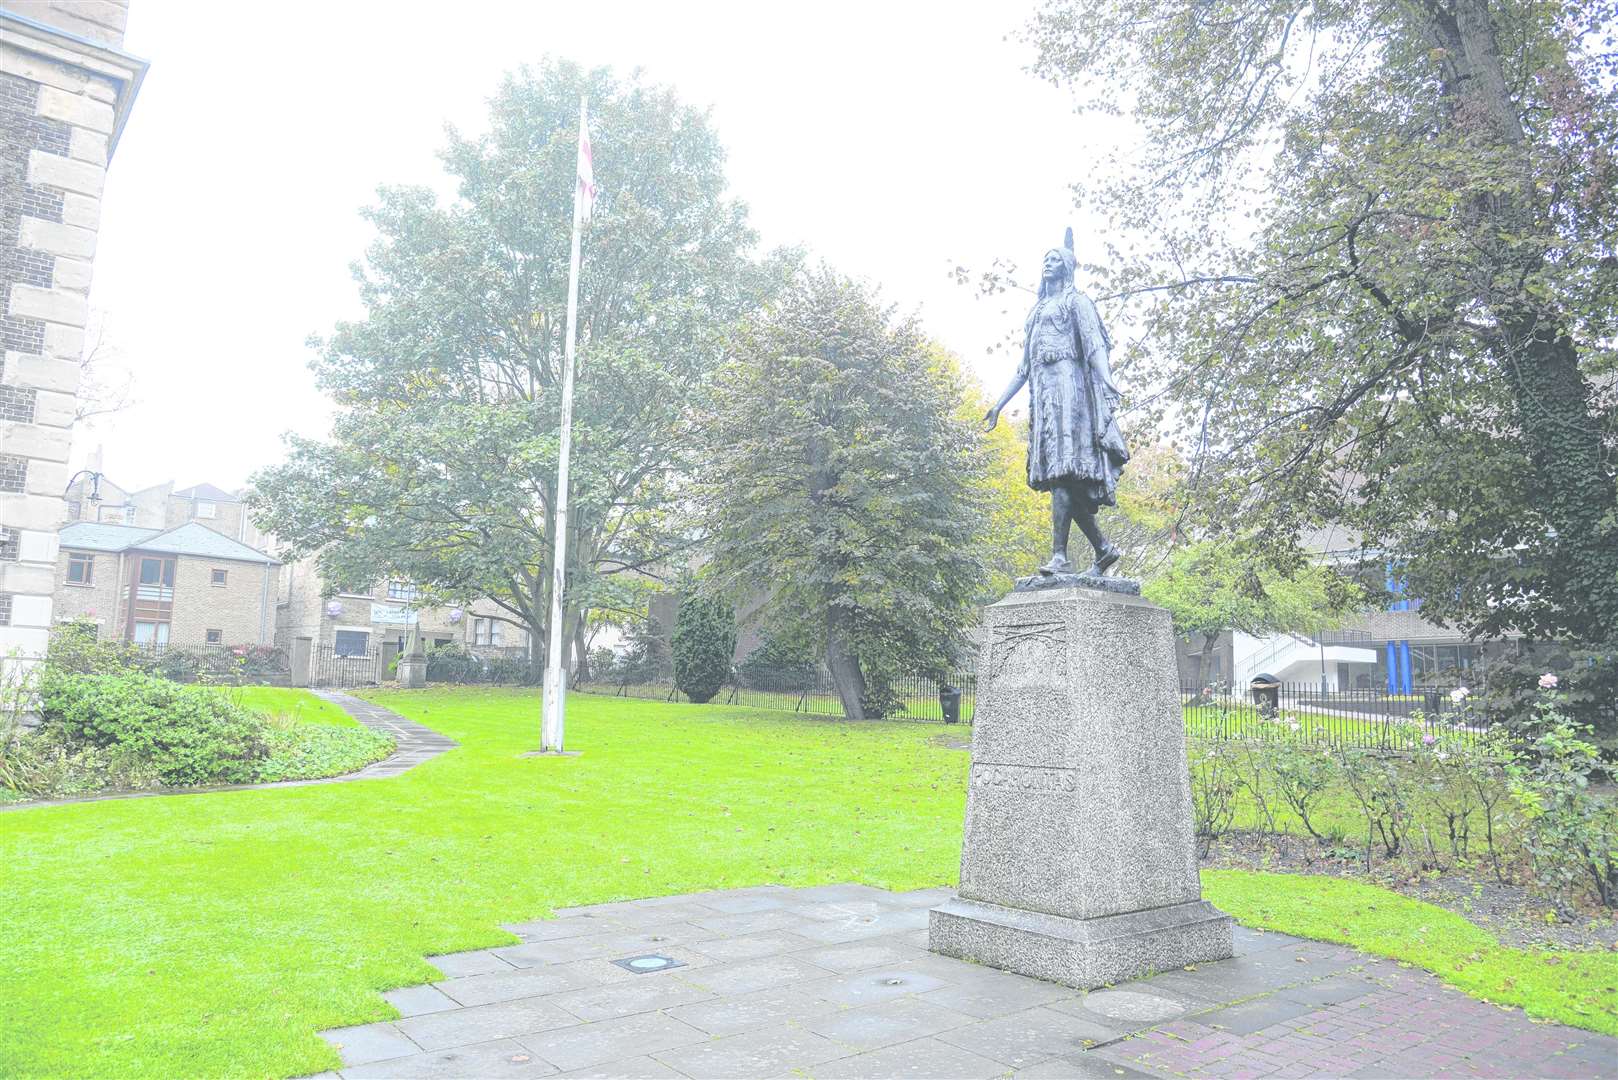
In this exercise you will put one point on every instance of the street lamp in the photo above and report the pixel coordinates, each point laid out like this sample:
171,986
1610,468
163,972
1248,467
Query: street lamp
95,484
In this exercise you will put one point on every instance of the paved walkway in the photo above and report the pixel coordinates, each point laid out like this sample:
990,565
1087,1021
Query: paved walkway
836,982
413,744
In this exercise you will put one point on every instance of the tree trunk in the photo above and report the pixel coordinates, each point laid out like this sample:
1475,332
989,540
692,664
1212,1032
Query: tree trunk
1202,659
1577,496
581,655
846,675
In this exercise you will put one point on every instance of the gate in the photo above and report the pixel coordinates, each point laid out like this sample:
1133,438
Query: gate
330,668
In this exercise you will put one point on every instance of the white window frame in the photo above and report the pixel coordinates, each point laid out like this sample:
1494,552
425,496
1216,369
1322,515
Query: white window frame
206,509
365,649
89,560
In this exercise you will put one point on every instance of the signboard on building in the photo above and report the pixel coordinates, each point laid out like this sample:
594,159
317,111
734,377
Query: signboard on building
393,614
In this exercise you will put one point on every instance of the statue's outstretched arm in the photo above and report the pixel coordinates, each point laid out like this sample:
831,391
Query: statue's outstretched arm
992,417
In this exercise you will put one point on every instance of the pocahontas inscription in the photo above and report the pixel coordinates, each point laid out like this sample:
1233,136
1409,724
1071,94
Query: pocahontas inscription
1025,778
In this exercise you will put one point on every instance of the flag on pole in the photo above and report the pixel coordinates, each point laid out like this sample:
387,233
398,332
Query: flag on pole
587,173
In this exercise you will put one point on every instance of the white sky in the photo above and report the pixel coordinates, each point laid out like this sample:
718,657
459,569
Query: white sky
893,140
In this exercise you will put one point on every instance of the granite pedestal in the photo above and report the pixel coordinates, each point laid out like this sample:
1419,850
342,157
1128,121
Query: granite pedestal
1078,864
412,672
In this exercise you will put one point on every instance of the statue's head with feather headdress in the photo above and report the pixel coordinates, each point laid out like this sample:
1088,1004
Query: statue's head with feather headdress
1057,272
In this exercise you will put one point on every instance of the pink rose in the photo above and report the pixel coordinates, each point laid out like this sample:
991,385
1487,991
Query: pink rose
1547,681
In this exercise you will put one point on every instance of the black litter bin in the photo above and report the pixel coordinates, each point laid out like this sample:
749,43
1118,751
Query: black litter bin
1266,690
1432,703
949,699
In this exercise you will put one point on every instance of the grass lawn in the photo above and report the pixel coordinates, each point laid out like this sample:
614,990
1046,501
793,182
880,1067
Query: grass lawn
298,705
1571,987
210,934
1212,721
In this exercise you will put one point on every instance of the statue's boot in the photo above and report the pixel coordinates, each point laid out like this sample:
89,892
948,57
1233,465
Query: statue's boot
1110,554
1057,565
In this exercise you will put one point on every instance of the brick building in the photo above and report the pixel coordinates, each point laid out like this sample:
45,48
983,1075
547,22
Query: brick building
188,585
66,88
93,496
355,622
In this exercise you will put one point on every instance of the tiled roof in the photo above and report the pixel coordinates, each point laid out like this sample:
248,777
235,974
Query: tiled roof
187,539
208,492
102,536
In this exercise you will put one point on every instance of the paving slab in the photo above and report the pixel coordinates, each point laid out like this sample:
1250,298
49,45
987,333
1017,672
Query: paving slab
440,1031
766,1052
557,929
872,1027
924,1059
510,985
873,986
626,998
416,1000
1129,1010
749,922
588,1045
762,974
753,946
744,903
984,993
602,971
635,1068
365,1043
1086,1067
860,955
835,982
1031,1036
502,1059
749,1012
1255,1015
590,946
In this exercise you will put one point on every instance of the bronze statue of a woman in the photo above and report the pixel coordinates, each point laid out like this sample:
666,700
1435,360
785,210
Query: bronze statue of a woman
1075,450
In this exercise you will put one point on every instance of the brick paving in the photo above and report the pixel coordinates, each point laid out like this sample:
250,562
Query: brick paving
837,982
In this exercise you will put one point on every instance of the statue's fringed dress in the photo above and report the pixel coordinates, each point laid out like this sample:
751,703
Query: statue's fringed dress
1072,400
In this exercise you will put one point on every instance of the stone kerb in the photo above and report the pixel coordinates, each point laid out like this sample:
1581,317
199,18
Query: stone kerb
1078,861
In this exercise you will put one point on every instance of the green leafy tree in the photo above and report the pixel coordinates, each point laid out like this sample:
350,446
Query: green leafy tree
704,644
441,468
1212,586
844,479
1372,250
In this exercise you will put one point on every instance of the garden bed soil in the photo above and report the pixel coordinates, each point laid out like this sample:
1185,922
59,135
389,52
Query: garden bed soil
1510,912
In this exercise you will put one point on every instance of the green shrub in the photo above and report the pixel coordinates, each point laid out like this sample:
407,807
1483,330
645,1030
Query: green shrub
1586,679
704,642
74,648
300,751
781,664
185,734
452,663
509,671
1572,832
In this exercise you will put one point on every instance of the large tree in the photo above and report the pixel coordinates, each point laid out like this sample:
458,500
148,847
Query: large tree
845,481
1375,248
441,468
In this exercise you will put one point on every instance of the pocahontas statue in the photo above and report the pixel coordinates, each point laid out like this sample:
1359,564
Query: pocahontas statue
1075,450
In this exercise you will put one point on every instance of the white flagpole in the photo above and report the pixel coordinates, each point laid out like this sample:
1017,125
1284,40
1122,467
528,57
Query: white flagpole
550,735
